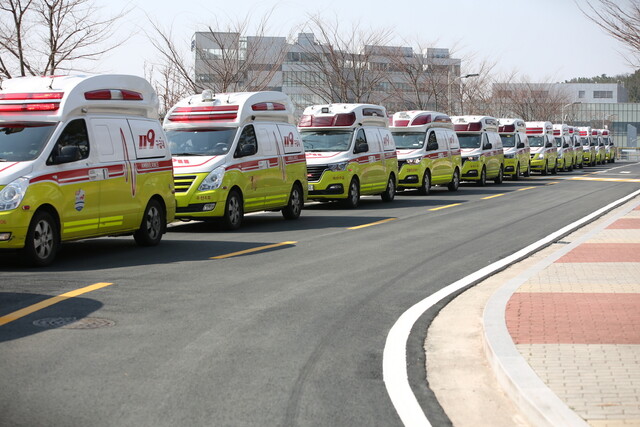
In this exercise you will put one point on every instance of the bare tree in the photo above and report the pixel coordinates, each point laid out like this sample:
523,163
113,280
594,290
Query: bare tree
47,36
225,59
351,65
620,19
168,84
532,101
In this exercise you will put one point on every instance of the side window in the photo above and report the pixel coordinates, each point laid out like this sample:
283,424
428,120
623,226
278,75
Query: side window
454,144
72,145
361,142
247,143
432,141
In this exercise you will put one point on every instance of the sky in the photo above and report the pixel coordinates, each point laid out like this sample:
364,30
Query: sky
541,40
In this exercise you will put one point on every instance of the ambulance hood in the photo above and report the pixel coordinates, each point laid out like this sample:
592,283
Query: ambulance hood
196,164
10,171
324,157
408,153
471,151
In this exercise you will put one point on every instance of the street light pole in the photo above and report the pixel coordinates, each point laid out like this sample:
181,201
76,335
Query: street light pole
568,105
450,82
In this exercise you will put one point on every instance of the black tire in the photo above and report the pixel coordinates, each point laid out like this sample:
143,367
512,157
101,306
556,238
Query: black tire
554,171
613,159
455,181
390,192
483,177
42,241
353,196
233,211
296,202
516,176
425,188
545,169
153,225
500,176
527,173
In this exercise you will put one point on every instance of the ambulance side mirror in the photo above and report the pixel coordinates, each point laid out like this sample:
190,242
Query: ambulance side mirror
565,145
548,145
520,145
432,146
67,154
361,147
246,150
487,146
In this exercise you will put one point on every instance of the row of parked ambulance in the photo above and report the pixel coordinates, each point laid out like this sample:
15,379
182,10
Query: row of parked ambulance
86,156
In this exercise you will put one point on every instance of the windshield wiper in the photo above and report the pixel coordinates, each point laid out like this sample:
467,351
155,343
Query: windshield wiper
190,154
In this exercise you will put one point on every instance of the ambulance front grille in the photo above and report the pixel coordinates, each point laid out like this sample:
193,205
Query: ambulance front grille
182,183
315,172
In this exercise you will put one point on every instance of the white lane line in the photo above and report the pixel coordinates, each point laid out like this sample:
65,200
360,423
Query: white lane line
394,357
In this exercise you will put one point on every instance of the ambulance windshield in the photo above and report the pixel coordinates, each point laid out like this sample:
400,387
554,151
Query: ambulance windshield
469,141
584,141
508,141
201,142
558,142
324,140
408,140
21,142
536,141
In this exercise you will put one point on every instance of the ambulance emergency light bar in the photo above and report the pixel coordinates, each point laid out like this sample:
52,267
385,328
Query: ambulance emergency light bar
506,128
29,105
211,112
423,119
343,119
113,95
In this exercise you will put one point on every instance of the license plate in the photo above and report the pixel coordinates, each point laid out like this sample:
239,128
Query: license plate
310,188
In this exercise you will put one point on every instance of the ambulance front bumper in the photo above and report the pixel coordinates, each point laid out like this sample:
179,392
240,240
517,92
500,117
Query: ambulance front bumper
14,225
471,170
510,166
410,176
194,204
331,185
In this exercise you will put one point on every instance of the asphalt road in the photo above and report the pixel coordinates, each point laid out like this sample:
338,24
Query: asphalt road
291,335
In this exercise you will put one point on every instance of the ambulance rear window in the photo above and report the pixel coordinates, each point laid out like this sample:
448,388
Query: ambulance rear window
201,142
406,140
327,140
20,142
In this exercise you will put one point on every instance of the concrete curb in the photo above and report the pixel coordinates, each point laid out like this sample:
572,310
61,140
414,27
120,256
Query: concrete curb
537,402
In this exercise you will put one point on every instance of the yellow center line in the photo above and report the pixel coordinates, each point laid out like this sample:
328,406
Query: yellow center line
49,302
551,183
371,224
445,207
492,197
525,188
248,251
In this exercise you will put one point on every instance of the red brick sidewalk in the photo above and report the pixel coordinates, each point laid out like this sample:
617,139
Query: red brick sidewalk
577,323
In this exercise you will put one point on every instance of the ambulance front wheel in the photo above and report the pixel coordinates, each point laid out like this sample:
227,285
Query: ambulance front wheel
455,181
42,240
516,176
483,177
152,226
500,176
390,192
294,207
353,196
527,173
425,188
233,211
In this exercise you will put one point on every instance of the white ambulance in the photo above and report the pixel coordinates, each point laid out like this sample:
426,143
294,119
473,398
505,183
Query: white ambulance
517,160
564,145
350,152
544,152
482,152
589,146
574,135
596,137
235,153
428,150
81,156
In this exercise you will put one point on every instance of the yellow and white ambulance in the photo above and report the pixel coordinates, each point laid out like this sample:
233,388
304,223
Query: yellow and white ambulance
544,153
482,152
608,145
589,146
601,152
81,156
350,152
574,135
564,145
517,159
428,150
235,153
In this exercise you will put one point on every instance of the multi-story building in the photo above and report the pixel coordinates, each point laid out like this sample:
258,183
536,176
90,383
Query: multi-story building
313,73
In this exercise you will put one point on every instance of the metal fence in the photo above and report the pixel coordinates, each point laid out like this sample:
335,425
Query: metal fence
628,153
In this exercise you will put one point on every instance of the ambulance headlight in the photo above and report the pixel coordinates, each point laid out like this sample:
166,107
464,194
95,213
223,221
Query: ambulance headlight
337,167
12,194
473,158
213,180
541,155
414,161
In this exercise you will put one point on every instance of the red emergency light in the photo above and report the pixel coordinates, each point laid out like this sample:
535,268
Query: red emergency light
113,95
268,106
584,133
187,114
31,107
468,127
401,123
594,133
31,96
506,128
556,132
531,131
374,112
605,132
345,119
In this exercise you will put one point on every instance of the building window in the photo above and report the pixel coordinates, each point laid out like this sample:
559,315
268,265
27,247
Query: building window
581,94
603,94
